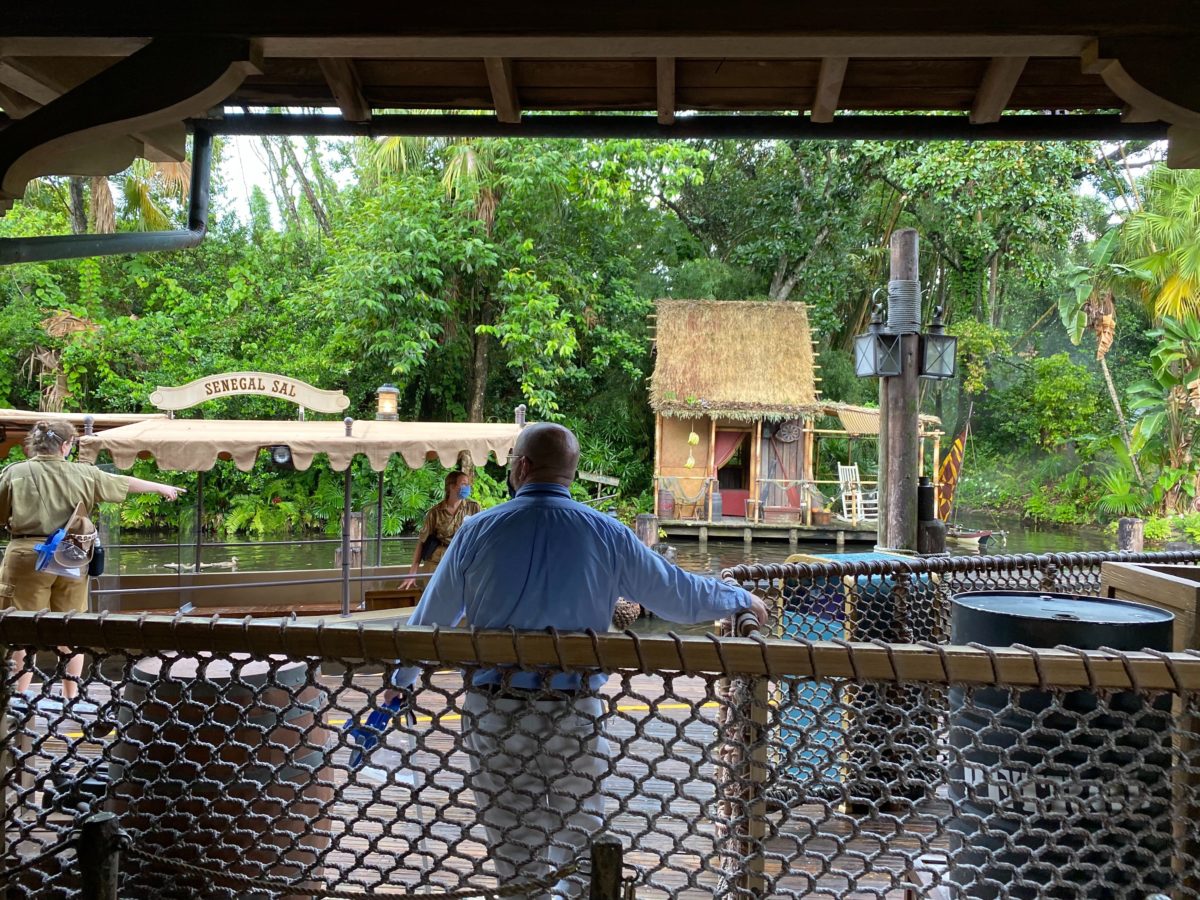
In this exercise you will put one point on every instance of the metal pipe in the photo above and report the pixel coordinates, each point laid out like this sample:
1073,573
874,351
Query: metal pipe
336,540
348,499
74,246
379,521
199,517
731,126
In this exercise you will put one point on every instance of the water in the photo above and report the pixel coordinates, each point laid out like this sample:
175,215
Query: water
286,552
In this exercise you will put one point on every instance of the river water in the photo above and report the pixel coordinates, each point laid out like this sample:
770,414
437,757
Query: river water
284,552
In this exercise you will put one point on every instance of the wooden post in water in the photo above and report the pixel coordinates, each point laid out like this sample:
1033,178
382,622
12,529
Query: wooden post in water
356,543
899,442
646,528
1130,535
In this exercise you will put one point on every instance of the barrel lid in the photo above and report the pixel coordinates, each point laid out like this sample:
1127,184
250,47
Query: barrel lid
1062,607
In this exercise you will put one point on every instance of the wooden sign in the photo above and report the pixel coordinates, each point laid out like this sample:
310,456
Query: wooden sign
258,383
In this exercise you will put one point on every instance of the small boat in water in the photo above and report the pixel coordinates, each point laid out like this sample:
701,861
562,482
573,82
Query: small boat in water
963,537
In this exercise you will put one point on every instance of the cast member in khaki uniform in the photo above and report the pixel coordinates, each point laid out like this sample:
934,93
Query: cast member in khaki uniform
37,498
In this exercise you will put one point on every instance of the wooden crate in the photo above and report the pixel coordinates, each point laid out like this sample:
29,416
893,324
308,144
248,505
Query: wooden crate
1175,588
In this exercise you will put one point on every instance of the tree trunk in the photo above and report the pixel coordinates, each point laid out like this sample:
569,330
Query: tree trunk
318,210
283,196
479,374
78,206
1116,402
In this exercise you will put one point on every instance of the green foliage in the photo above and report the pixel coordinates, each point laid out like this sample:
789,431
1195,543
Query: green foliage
1051,402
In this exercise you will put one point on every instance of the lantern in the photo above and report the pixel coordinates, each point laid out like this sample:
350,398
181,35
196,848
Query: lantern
387,403
938,350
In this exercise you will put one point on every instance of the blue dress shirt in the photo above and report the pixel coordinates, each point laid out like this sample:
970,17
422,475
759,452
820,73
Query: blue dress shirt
543,560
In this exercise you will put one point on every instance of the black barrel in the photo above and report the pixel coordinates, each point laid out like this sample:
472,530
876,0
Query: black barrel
1059,793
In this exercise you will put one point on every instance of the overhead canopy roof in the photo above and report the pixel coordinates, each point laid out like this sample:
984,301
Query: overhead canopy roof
16,423
87,86
190,445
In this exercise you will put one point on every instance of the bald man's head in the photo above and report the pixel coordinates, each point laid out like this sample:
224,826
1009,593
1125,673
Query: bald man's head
546,453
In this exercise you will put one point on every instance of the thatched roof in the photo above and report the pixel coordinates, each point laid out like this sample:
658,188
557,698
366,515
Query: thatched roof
739,359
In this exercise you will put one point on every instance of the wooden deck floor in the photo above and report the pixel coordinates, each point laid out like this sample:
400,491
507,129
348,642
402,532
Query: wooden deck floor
661,803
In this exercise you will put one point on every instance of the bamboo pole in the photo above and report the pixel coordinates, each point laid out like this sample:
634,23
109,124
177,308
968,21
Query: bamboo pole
710,466
658,429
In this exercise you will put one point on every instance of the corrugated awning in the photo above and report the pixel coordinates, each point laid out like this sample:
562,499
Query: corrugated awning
190,445
859,421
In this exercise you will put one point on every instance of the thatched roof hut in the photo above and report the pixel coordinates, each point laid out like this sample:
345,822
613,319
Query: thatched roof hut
745,360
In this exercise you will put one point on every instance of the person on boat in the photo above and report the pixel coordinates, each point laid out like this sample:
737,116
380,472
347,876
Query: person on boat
536,744
37,497
442,522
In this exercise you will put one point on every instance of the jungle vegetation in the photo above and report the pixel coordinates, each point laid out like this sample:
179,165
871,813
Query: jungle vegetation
479,274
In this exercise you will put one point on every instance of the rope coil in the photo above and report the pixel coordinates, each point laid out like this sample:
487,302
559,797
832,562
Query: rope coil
904,306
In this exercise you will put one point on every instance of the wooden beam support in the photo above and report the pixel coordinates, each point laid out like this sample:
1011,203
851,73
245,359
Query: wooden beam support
504,90
666,89
16,105
1001,77
342,78
167,144
87,130
774,45
829,88
20,76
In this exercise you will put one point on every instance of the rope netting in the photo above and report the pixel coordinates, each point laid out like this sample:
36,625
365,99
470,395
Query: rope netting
807,761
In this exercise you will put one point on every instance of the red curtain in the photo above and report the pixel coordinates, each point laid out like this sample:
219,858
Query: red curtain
726,445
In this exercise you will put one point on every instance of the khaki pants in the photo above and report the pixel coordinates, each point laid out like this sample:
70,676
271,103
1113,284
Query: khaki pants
537,772
25,588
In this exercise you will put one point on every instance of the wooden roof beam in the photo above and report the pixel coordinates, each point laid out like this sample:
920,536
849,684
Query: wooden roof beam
995,90
829,88
773,45
342,78
28,80
504,89
159,145
665,90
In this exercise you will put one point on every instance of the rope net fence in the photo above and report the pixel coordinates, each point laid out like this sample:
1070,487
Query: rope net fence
846,751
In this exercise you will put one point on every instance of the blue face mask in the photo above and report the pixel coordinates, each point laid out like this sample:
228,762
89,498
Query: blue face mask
464,492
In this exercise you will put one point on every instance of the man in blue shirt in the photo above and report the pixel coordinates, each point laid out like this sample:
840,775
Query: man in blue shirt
538,753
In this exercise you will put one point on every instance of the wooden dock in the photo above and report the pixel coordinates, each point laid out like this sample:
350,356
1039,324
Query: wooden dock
795,533
423,832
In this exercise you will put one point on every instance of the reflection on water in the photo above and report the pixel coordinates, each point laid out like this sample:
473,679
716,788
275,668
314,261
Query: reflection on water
284,552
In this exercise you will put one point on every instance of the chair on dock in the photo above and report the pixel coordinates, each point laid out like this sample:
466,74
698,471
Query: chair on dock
857,505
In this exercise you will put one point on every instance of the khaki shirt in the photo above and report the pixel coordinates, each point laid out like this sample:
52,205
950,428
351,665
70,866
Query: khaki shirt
443,524
38,496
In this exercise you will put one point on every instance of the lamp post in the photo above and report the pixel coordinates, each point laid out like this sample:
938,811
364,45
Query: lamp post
898,353
387,403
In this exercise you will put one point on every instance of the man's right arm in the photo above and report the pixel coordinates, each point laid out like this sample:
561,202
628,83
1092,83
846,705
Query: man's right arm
671,593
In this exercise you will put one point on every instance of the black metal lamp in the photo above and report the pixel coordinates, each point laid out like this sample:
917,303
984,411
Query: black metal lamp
938,350
387,407
876,354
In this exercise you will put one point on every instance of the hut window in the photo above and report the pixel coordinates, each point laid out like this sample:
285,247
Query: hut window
735,474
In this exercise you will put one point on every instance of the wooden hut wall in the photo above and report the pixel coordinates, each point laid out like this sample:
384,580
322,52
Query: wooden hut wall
673,453
782,460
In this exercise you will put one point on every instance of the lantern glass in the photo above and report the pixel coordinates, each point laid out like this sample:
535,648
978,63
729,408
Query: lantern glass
387,403
938,353
876,355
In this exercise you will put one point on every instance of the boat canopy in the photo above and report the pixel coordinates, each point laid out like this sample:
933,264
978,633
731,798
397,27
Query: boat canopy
191,445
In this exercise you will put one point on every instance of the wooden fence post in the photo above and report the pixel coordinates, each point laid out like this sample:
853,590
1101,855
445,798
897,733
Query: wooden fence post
607,865
99,854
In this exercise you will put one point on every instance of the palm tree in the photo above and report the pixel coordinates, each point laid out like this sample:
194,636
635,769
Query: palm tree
1092,307
468,173
1163,237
